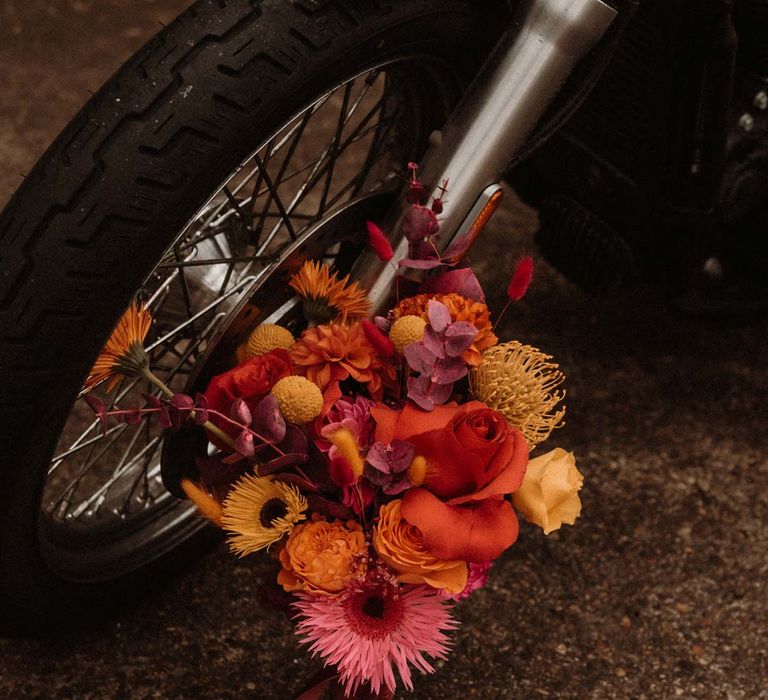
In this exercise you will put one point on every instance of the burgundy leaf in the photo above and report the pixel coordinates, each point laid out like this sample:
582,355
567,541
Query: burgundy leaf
98,407
450,371
420,223
240,412
419,358
281,463
132,416
164,417
234,458
419,390
201,416
441,393
320,684
267,419
463,282
177,417
417,193
96,404
299,481
295,441
152,401
421,264
244,444
182,402
433,342
458,337
439,316
332,509
459,247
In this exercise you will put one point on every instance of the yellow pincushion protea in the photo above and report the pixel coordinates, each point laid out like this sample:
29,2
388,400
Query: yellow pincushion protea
520,382
266,338
300,400
406,330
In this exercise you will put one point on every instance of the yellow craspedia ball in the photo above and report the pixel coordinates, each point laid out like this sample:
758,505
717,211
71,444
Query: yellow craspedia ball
266,338
406,330
299,399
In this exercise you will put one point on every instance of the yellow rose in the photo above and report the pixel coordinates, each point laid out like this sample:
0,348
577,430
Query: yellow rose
400,545
549,495
323,558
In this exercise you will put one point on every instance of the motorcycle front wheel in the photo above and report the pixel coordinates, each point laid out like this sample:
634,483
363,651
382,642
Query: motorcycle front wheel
246,137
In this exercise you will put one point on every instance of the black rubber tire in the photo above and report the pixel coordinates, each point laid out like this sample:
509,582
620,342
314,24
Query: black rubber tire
97,212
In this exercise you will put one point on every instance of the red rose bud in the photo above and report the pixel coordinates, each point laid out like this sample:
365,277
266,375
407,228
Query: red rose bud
521,279
379,242
377,339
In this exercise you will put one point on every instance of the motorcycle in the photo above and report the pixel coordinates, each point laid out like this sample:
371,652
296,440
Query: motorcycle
251,135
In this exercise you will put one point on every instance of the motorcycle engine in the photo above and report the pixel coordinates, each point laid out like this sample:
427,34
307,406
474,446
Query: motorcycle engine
661,175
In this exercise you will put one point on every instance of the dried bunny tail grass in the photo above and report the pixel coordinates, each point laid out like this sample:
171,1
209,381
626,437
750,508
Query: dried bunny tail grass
205,503
520,382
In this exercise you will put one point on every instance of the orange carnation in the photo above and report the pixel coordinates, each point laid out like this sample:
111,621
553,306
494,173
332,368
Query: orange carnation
327,355
462,309
400,545
323,558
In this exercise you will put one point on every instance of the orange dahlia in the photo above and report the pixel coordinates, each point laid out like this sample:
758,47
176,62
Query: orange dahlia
462,309
124,353
329,354
327,298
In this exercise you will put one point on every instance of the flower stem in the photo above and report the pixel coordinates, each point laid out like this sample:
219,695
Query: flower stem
210,427
498,318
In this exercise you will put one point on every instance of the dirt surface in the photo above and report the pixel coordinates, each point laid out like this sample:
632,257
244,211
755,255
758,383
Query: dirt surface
659,592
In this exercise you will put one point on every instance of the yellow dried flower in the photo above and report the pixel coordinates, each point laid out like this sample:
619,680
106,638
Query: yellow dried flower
345,443
266,338
259,512
521,383
417,471
300,400
406,330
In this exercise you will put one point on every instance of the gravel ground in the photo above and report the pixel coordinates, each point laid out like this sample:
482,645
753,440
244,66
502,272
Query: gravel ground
660,592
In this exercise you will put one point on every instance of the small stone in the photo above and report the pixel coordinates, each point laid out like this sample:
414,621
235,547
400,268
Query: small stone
561,649
626,623
620,672
250,685
683,608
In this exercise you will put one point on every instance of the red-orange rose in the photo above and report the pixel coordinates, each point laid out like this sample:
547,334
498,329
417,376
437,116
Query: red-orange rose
250,381
475,458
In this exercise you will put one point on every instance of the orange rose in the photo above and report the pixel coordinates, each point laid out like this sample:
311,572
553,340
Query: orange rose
400,545
323,558
475,458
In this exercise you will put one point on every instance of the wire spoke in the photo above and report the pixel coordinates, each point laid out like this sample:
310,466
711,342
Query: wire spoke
235,240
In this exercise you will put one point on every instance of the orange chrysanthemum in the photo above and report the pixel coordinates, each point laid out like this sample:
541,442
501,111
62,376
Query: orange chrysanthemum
327,298
329,354
462,309
124,354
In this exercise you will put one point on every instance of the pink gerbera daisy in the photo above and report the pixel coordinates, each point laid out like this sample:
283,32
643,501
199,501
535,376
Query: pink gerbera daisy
367,630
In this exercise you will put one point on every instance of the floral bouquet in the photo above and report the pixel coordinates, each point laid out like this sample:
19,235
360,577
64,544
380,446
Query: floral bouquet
381,461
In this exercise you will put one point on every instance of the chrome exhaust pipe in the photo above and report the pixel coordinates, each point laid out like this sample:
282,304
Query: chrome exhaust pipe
504,103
